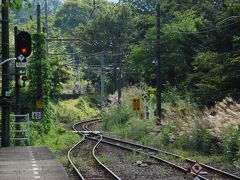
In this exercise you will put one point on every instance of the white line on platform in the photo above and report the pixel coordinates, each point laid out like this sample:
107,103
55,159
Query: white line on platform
35,172
36,177
34,165
35,169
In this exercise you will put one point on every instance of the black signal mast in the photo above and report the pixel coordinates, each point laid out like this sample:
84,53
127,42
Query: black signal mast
5,99
159,107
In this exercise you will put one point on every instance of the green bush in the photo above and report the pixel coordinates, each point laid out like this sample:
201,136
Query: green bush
202,141
199,140
170,95
183,141
57,139
73,110
167,132
231,144
137,129
116,117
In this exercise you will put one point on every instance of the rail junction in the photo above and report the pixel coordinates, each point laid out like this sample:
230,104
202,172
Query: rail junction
175,161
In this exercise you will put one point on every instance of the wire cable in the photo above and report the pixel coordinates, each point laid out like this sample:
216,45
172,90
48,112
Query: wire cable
210,30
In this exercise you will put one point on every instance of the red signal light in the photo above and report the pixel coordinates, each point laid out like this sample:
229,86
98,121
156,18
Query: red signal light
24,50
23,44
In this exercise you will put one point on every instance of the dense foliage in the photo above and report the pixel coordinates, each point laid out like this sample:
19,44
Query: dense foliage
199,42
200,61
39,71
184,127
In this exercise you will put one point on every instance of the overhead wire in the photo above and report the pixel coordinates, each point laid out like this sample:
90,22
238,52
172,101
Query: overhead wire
207,30
179,32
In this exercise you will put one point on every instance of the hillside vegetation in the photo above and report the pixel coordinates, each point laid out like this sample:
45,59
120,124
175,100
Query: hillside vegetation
213,131
55,130
199,60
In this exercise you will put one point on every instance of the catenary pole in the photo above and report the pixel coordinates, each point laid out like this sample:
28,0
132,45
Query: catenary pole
46,17
159,108
102,79
46,24
114,77
38,18
119,82
120,58
5,77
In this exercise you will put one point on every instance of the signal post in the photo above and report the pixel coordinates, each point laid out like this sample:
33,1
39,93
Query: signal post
5,98
22,51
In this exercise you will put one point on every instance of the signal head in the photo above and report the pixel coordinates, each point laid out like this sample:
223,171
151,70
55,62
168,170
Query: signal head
23,44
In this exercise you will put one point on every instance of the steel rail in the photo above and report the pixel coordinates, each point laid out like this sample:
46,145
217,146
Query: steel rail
85,126
138,151
174,155
165,152
106,169
71,162
69,158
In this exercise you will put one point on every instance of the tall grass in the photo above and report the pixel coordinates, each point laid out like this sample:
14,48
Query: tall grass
74,110
231,143
184,125
52,133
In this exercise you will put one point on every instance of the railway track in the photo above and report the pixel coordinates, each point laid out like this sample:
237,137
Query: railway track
95,169
83,129
174,160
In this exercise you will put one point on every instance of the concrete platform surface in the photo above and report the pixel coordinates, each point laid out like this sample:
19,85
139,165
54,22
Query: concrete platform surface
30,163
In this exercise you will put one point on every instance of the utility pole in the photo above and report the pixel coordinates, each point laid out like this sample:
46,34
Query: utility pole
119,82
94,5
5,78
159,108
120,50
102,79
79,78
38,19
46,24
46,17
17,94
114,77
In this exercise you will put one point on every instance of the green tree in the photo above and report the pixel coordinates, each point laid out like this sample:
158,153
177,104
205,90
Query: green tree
39,72
71,14
142,6
107,32
17,4
215,72
60,74
177,49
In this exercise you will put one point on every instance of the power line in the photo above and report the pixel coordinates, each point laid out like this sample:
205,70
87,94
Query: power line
209,30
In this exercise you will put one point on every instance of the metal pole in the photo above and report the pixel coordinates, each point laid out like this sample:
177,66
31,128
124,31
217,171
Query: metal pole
120,50
38,19
46,17
159,108
17,95
102,79
46,24
114,77
119,83
79,79
5,78
28,126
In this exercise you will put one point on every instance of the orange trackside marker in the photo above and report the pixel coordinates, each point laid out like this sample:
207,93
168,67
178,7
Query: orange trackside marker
136,104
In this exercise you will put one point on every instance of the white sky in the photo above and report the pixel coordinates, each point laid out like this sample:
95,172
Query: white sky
113,0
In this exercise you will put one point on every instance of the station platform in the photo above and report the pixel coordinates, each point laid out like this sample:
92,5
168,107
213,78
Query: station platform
30,163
